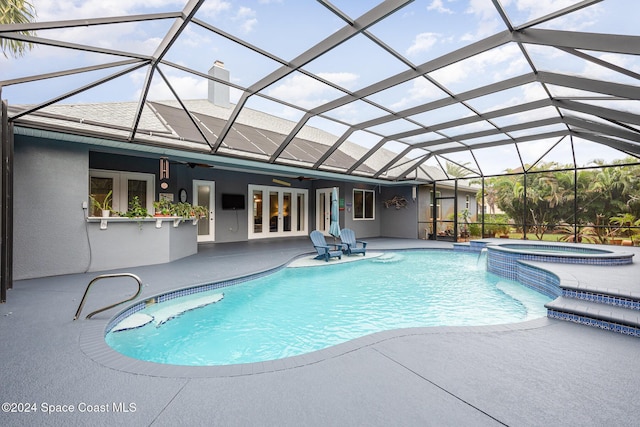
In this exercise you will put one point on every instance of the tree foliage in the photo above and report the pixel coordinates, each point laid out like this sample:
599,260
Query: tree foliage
612,193
16,12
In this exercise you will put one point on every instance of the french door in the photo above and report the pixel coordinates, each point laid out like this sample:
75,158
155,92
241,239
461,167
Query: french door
277,211
323,210
204,194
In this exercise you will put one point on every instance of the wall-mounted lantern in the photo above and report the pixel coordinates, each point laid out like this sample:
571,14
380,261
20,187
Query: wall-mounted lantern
164,168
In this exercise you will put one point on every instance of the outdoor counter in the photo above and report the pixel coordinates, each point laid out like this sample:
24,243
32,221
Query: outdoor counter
117,242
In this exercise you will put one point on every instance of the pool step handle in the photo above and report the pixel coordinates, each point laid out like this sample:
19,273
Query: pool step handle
107,276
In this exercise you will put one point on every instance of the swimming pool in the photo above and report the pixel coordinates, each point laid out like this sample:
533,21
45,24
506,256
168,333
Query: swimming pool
300,310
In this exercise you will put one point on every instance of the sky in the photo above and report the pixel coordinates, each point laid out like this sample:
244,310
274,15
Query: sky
421,31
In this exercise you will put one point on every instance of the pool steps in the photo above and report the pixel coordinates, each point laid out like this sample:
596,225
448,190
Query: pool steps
605,309
597,314
164,313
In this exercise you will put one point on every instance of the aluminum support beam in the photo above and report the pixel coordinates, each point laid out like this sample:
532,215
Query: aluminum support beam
6,222
342,35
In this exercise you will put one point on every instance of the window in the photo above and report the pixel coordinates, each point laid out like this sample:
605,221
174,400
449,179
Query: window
124,187
363,204
467,205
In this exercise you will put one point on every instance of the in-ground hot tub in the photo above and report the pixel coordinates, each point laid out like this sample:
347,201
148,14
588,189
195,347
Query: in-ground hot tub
502,258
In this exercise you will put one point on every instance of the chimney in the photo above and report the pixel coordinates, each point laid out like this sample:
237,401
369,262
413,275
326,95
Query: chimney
218,92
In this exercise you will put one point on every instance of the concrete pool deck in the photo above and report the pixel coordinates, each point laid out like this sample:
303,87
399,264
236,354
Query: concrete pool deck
533,373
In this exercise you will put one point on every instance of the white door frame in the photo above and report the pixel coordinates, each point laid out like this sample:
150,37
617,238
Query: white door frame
268,215
323,222
211,237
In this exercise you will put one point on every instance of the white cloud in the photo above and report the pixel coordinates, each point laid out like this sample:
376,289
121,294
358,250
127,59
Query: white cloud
53,10
495,62
343,79
422,43
421,91
483,9
595,71
137,37
579,20
439,7
488,19
214,7
307,92
247,19
187,87
538,8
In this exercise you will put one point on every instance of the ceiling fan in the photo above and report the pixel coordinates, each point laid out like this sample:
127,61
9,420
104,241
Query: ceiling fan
288,184
192,165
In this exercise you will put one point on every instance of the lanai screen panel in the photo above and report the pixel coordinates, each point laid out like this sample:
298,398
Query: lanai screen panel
439,77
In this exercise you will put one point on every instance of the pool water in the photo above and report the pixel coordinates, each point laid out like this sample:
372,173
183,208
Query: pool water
299,310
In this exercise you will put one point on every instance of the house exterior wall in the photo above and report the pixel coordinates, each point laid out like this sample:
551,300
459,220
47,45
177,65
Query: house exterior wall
399,222
50,184
231,226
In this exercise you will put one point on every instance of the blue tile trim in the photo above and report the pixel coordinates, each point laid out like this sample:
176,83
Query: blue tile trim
602,298
505,263
539,280
602,324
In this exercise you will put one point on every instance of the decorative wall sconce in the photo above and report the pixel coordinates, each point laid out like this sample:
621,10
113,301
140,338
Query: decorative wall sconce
164,168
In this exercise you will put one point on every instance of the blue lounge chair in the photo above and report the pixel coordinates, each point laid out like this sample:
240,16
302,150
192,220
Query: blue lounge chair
349,242
324,251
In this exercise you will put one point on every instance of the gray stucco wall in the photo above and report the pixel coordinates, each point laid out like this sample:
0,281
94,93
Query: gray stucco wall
387,222
130,244
50,184
399,223
363,228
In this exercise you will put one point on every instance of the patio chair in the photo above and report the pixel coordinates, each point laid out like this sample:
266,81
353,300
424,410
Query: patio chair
348,238
324,251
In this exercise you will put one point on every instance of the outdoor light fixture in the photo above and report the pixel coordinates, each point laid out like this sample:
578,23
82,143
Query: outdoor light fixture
164,168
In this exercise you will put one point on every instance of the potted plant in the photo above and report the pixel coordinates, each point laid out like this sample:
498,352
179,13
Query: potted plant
162,207
503,231
136,210
186,210
104,206
465,215
200,212
182,209
490,230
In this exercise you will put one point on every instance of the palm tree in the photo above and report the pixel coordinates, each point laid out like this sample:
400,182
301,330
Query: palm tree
457,171
16,12
610,185
625,220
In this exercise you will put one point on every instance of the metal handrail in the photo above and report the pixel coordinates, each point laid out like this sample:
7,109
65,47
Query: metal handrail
107,276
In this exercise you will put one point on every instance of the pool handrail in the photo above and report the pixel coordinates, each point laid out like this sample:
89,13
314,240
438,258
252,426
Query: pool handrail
107,276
